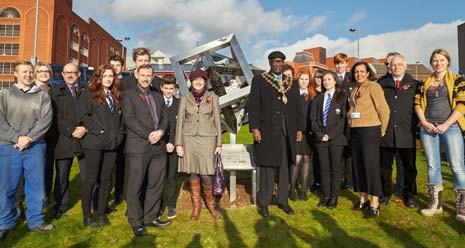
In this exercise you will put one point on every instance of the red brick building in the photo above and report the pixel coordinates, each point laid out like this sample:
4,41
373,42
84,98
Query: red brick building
315,59
63,36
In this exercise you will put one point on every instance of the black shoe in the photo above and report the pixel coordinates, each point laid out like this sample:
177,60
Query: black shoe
88,221
286,208
332,203
323,202
361,206
44,227
372,212
385,200
118,199
139,231
161,212
410,202
109,210
292,195
103,220
159,223
171,213
315,187
3,234
263,211
347,184
57,214
303,195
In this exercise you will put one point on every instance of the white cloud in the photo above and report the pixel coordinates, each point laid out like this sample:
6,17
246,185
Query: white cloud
358,16
415,44
316,22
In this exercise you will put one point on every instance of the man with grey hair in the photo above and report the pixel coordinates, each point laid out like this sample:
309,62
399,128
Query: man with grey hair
25,116
399,90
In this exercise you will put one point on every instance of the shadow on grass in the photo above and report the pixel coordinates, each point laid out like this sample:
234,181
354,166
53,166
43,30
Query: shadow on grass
145,241
401,236
195,242
339,237
273,231
233,235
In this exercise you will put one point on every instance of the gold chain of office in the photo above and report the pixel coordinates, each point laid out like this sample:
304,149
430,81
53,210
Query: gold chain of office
281,89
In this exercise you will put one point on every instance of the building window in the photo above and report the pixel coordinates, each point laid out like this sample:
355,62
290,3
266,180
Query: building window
85,38
111,50
6,68
8,49
74,30
117,52
6,84
74,45
9,13
73,60
9,30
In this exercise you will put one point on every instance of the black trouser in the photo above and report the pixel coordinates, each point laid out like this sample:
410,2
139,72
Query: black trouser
153,165
172,180
315,164
61,193
99,165
347,164
267,179
331,168
399,176
408,157
119,172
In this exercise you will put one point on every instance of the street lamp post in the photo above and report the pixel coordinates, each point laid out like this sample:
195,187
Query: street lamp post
34,58
416,69
354,30
125,39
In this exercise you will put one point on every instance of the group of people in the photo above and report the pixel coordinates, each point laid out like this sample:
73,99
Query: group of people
135,127
343,126
354,126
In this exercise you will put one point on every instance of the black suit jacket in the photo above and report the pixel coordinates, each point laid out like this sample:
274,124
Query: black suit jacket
170,132
66,120
138,121
401,129
266,111
335,123
104,129
130,82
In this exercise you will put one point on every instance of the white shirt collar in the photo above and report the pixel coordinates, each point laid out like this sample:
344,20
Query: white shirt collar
168,99
303,91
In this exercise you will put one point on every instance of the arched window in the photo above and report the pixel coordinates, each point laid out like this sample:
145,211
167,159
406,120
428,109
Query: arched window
74,30
9,13
111,50
85,38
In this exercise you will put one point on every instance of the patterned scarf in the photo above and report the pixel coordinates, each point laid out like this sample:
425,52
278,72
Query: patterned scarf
198,94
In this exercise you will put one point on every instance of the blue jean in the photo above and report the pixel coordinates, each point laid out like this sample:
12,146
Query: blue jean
452,140
32,161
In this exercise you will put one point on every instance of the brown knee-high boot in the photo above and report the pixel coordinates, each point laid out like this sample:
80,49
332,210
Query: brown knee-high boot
195,198
208,190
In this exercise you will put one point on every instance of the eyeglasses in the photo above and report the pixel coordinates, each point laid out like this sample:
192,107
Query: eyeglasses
70,72
43,71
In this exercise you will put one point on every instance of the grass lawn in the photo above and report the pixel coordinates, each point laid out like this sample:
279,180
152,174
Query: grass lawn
311,226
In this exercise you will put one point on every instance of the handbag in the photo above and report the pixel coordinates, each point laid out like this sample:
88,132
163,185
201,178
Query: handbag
218,177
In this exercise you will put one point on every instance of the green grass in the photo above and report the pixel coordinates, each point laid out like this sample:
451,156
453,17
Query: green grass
311,226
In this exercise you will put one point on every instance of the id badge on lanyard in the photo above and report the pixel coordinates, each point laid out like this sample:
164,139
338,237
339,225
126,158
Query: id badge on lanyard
355,115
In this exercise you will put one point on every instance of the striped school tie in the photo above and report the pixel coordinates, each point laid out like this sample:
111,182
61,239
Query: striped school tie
326,110
110,102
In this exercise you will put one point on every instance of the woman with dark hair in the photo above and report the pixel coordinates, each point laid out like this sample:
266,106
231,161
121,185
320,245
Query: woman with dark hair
318,80
368,118
328,116
99,110
440,106
198,139
302,163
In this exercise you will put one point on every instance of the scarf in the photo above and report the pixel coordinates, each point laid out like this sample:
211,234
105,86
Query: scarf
198,94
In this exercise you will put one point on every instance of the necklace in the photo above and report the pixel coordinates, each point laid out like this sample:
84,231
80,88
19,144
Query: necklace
281,89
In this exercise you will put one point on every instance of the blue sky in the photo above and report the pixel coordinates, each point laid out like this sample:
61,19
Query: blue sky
414,28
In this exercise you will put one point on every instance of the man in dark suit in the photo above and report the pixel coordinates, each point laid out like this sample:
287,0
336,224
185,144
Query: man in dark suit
399,91
141,56
70,131
168,87
276,122
146,120
340,61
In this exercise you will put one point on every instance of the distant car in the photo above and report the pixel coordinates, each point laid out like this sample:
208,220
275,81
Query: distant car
57,77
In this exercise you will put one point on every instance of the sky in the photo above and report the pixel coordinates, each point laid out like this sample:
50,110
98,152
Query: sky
412,27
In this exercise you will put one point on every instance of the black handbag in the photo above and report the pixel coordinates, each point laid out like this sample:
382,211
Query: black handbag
218,177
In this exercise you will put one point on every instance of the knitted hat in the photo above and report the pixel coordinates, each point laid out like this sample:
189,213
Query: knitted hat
198,73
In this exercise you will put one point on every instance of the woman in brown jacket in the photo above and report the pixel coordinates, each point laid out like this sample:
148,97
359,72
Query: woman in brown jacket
368,119
198,139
